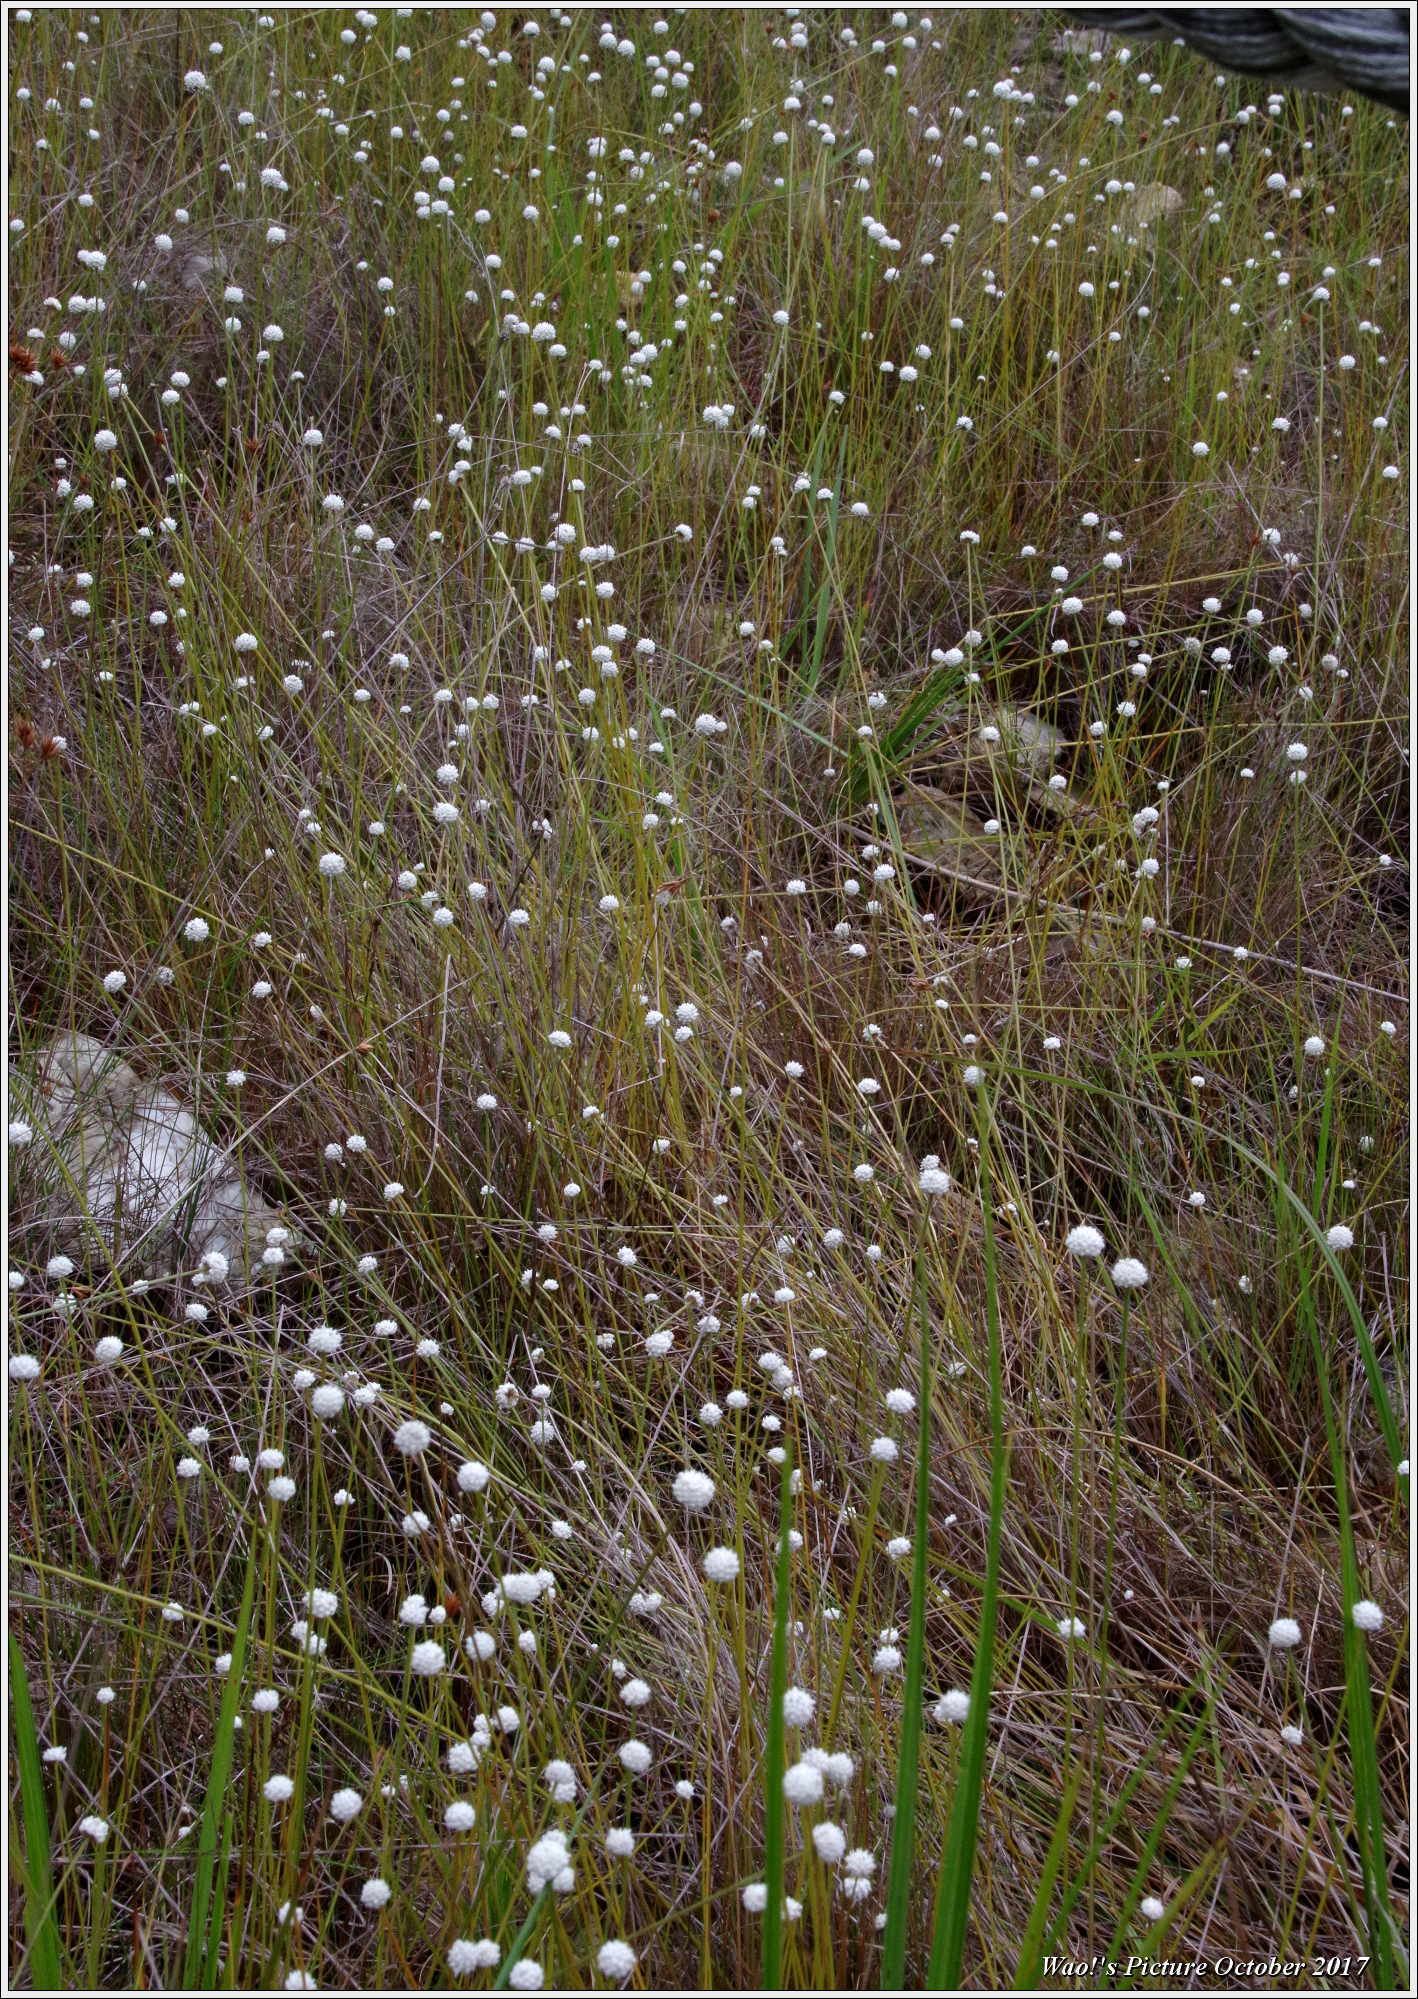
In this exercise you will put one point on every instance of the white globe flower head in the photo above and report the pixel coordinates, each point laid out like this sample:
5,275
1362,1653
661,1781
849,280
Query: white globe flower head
469,1955
1367,1615
547,1858
721,1565
934,1179
1129,1273
525,1586
413,1438
798,1705
802,1784
1084,1241
615,1959
1285,1634
1340,1236
332,865
952,1706
694,1490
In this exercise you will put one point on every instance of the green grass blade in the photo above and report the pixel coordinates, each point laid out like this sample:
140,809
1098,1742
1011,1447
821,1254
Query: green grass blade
946,684
958,1863
774,1843
1363,1748
520,1941
1152,1942
1031,1950
1383,1405
41,1922
222,1982
903,1825
1151,1845
204,1926
1369,1828
502,1881
1083,1872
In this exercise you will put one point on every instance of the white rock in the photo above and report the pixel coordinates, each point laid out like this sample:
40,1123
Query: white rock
126,1175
